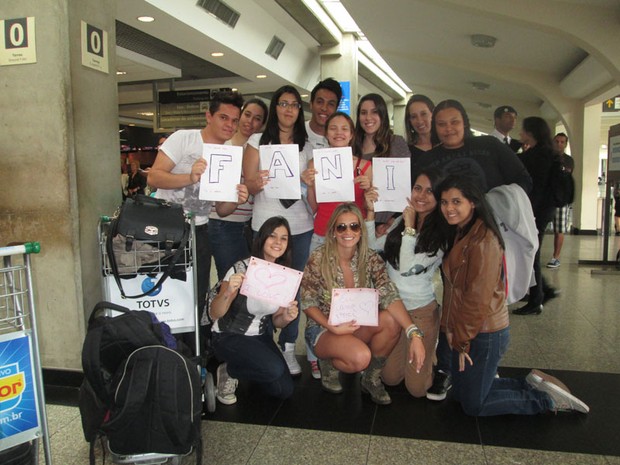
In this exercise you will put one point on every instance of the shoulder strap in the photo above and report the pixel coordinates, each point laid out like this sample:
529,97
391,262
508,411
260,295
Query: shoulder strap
171,264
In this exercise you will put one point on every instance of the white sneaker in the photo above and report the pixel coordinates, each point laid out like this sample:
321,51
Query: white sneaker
291,361
563,401
226,386
535,377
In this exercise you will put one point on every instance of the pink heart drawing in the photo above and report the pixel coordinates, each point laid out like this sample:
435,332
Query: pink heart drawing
269,278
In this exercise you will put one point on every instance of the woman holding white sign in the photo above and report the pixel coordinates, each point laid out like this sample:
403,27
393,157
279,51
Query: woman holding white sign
285,125
339,131
240,336
345,262
413,250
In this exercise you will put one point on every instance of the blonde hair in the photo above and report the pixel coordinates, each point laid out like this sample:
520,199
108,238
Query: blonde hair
329,261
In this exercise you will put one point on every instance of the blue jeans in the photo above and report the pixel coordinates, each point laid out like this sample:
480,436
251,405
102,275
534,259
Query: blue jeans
256,359
228,244
481,393
301,252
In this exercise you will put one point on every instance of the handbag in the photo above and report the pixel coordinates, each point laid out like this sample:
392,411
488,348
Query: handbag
155,221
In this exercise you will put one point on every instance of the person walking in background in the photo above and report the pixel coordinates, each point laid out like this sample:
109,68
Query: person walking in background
475,314
560,220
285,125
505,120
228,236
538,160
136,183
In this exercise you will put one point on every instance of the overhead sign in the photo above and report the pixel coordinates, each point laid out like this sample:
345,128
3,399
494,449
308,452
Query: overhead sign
183,109
94,47
17,41
611,104
345,102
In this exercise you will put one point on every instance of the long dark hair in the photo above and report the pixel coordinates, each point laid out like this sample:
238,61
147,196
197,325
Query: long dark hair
411,135
444,105
539,129
265,231
430,238
482,209
383,136
271,135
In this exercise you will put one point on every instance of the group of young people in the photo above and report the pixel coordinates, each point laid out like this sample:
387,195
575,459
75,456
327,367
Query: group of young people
447,223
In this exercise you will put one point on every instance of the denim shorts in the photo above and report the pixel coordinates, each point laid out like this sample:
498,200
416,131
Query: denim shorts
313,333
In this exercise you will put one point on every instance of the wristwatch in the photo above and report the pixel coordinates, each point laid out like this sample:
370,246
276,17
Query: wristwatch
409,231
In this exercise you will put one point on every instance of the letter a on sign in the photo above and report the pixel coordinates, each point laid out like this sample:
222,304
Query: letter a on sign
282,161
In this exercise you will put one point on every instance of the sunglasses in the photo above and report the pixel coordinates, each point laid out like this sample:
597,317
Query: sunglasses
342,227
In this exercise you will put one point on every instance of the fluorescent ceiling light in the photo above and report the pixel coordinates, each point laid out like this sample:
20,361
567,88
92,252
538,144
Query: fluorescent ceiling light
217,54
319,13
340,15
120,73
261,76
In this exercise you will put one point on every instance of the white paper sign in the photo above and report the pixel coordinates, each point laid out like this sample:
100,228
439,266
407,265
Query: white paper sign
392,178
614,153
359,304
270,282
94,47
334,180
17,41
219,182
282,161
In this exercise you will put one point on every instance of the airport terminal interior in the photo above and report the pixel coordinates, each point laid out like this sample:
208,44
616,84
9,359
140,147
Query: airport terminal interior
556,59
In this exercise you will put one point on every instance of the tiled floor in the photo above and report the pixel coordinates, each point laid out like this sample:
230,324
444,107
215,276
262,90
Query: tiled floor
576,337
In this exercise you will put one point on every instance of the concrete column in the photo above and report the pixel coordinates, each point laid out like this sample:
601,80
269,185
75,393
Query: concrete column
585,137
60,165
400,109
340,62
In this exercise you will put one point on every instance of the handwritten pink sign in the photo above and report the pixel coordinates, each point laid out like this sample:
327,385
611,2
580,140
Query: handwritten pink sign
359,304
270,282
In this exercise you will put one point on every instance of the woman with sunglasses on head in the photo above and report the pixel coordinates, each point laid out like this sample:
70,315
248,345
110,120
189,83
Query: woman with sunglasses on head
285,125
413,250
227,235
240,336
345,261
475,313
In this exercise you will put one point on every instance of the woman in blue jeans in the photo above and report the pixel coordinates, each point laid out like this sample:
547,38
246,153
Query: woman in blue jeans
475,314
240,334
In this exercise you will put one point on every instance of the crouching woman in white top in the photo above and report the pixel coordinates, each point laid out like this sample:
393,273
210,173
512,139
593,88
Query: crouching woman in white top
240,336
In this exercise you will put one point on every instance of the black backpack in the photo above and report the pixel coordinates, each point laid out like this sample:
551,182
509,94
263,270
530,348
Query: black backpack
127,389
157,404
562,185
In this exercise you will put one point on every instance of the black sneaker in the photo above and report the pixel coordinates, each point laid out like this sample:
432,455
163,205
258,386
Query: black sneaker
442,383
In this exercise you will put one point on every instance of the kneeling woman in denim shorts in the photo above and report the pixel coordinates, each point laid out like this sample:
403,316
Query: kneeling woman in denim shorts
345,261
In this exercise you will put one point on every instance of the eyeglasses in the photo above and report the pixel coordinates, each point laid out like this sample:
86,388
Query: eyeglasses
285,104
342,227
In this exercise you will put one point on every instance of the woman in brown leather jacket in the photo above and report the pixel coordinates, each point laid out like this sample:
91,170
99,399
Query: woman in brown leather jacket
475,314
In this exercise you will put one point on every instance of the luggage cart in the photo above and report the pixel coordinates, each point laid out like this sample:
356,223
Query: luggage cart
22,400
174,302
